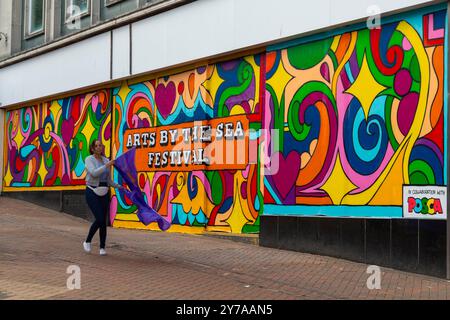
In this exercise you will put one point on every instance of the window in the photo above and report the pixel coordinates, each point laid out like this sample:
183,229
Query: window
34,17
111,2
77,8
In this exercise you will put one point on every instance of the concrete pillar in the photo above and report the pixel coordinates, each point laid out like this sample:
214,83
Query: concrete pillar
5,28
16,28
52,19
95,12
57,18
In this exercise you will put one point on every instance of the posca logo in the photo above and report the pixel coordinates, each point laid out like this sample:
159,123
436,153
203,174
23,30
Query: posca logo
425,205
425,202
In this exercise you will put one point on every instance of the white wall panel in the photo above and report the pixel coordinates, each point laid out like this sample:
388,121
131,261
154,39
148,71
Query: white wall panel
76,66
209,27
149,46
195,31
121,52
340,12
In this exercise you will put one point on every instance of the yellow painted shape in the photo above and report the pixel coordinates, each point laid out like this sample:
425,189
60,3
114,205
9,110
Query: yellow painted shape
348,54
237,109
88,129
365,88
201,201
127,217
427,127
55,110
237,219
123,92
279,80
16,189
391,190
8,177
47,131
19,138
338,184
213,83
218,229
42,172
335,43
154,227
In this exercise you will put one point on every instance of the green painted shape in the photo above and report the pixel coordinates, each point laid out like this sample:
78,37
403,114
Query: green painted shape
415,69
301,131
421,173
387,112
306,56
252,228
38,181
198,224
255,125
245,74
333,59
216,188
278,116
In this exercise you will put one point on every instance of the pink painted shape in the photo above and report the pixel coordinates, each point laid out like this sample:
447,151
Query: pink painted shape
406,44
432,33
266,133
246,172
112,209
94,103
284,180
169,206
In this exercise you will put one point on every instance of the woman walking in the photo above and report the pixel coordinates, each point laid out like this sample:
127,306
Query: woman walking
97,192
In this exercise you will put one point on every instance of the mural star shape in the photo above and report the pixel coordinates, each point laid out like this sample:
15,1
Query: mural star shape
365,88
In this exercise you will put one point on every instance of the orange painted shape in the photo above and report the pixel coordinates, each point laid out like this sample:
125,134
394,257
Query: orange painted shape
175,147
438,103
314,166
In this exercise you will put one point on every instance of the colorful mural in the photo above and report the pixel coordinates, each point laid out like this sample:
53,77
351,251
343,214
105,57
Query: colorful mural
359,115
46,144
344,120
218,200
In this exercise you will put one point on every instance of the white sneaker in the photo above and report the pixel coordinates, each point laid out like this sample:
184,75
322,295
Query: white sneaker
102,252
87,246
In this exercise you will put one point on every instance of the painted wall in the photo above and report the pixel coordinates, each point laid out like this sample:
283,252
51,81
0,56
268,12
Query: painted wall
218,200
46,144
360,114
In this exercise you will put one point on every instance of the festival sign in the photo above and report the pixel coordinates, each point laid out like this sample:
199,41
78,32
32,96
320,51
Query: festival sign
425,202
216,144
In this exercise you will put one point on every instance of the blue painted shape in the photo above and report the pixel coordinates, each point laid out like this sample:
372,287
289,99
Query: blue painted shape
334,211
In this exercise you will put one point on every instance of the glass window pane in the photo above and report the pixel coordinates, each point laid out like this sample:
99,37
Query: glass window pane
82,4
36,17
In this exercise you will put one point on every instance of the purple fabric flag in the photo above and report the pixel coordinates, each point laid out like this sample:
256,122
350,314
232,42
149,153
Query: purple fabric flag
124,164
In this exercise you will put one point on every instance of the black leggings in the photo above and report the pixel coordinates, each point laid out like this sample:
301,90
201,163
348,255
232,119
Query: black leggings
99,207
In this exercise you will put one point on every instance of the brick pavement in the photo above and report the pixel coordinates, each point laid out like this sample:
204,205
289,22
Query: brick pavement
37,245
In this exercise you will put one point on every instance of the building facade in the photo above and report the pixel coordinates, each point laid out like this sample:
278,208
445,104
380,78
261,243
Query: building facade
339,119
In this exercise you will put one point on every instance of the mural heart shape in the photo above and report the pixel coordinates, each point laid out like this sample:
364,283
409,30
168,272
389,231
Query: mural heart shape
165,98
67,130
287,173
